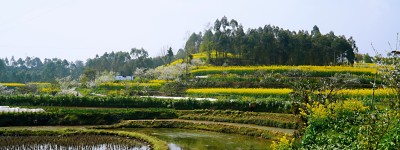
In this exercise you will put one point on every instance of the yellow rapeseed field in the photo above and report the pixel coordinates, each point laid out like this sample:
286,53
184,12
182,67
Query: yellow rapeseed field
41,84
49,90
240,91
283,91
158,81
178,61
13,84
366,92
203,55
132,84
369,70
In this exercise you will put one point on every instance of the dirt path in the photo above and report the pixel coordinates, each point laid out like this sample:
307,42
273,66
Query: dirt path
288,131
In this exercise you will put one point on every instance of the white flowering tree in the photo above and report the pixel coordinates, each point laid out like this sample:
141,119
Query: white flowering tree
105,77
140,74
173,72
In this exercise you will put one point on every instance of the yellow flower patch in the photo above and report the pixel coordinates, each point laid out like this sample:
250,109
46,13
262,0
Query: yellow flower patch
13,84
239,91
367,70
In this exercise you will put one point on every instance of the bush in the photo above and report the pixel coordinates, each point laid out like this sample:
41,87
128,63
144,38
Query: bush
82,116
349,124
260,105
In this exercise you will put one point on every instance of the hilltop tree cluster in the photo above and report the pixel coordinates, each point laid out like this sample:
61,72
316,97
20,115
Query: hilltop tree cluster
227,43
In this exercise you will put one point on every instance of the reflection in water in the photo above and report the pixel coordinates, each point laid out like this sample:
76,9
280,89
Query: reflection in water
182,139
173,146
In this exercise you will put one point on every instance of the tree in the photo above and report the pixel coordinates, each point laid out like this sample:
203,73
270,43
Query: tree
367,58
389,71
207,45
7,61
65,83
105,77
180,54
20,62
77,69
13,62
2,70
170,55
90,74
139,53
315,32
193,43
352,49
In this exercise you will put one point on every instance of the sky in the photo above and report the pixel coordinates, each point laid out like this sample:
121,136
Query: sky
80,29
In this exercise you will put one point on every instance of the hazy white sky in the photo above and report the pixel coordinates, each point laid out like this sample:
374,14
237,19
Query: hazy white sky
80,29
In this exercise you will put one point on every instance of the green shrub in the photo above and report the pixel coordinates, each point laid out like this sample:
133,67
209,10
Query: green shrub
259,105
76,116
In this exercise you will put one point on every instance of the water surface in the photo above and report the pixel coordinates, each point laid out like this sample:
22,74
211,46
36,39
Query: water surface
183,139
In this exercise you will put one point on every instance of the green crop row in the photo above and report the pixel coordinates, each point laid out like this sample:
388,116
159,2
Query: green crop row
261,105
81,116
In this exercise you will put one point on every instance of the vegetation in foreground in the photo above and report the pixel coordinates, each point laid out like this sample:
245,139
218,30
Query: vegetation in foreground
73,142
155,143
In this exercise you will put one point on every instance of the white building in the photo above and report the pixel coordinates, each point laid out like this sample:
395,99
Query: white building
123,78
